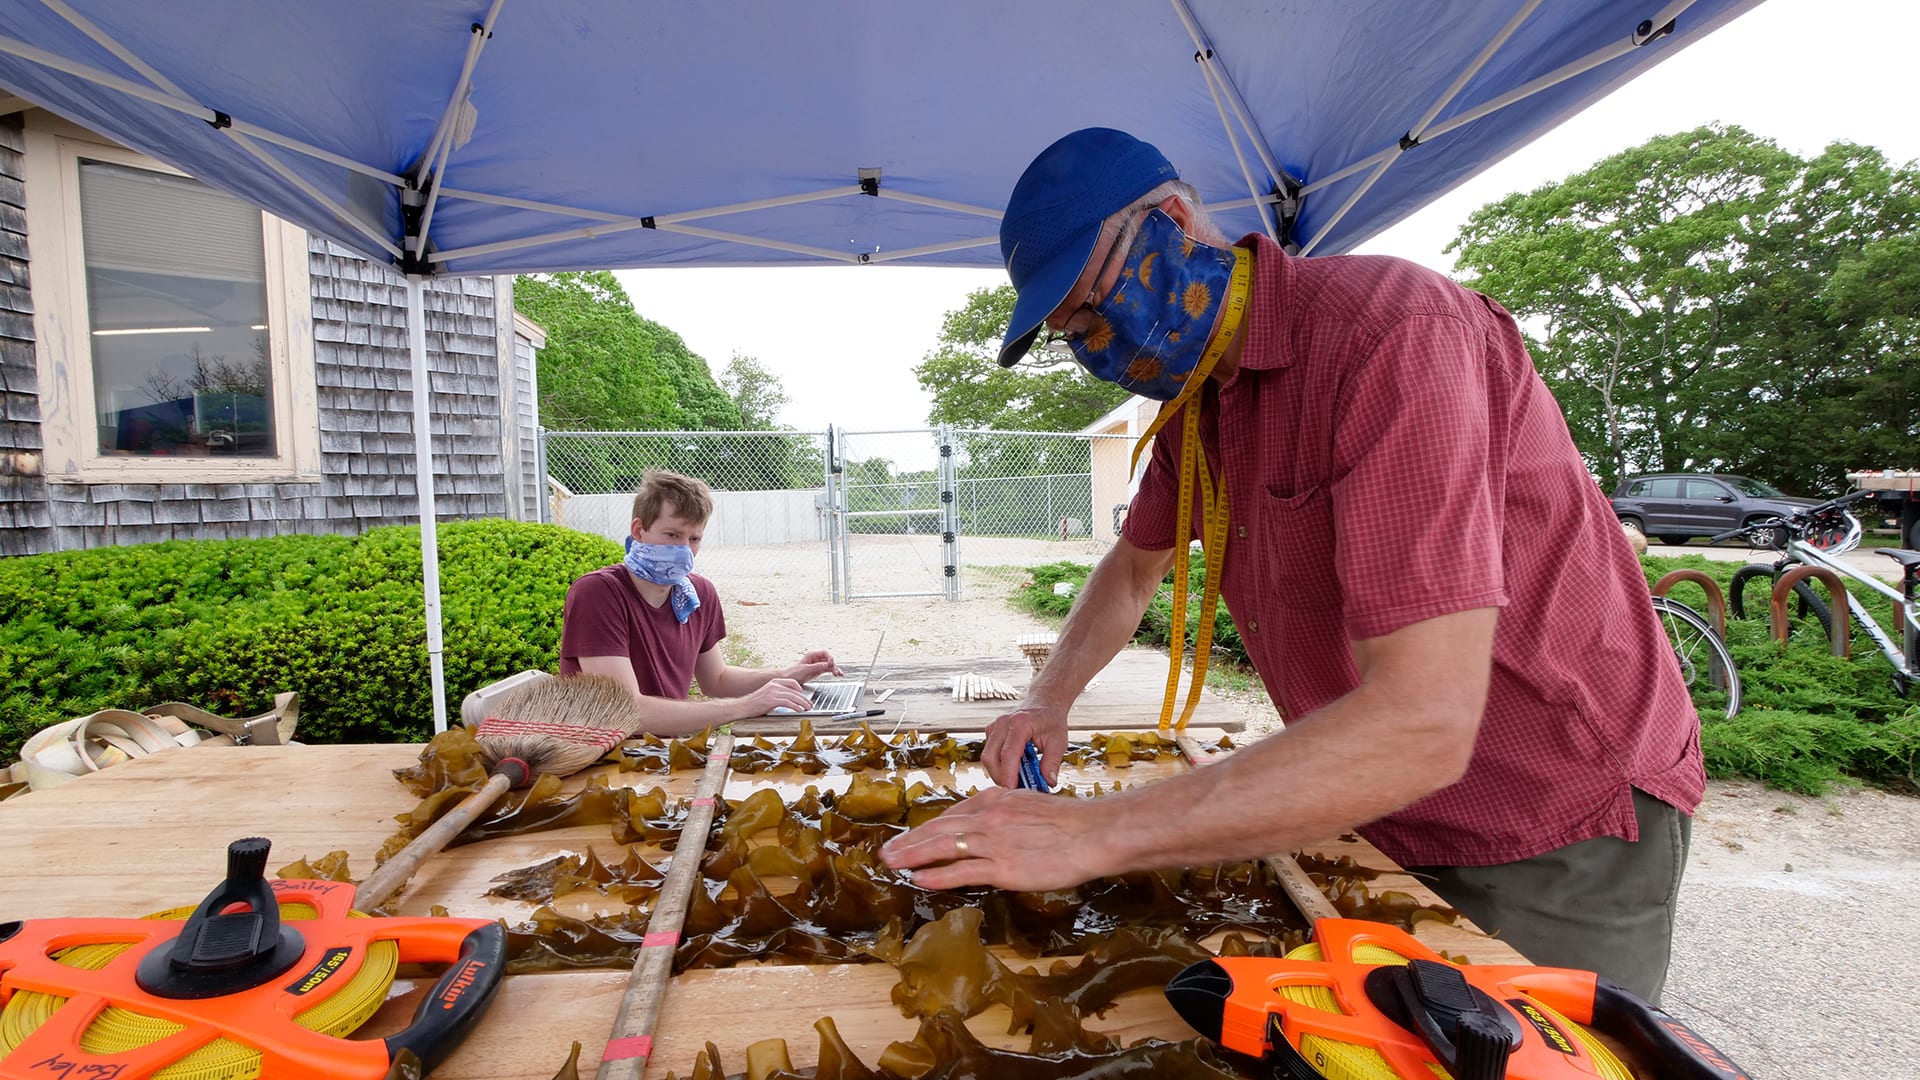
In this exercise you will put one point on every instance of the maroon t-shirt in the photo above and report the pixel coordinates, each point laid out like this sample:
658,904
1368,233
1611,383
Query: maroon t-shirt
1390,455
606,616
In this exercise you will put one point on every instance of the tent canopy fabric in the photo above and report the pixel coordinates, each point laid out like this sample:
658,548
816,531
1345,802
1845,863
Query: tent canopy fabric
538,135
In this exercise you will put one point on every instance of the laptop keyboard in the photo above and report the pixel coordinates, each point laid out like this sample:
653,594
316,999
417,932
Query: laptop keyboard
836,697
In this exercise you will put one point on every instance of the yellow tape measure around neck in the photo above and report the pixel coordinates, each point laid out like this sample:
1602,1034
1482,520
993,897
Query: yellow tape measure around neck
1213,505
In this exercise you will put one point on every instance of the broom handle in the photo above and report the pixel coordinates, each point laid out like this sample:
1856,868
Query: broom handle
1300,888
393,873
631,1043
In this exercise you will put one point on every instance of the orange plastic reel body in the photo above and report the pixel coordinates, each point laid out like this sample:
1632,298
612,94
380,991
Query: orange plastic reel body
1255,1013
261,1017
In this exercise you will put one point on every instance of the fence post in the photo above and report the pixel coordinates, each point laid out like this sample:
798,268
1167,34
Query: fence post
949,474
830,520
542,501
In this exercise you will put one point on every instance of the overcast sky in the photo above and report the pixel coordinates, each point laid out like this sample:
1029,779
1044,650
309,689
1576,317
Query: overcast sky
1801,72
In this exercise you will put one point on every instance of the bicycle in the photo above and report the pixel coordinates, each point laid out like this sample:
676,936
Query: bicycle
1817,536
1703,656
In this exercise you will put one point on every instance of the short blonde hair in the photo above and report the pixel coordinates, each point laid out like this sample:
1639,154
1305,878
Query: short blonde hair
692,500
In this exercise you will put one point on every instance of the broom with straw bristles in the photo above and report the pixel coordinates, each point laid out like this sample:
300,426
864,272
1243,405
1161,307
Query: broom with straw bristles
549,727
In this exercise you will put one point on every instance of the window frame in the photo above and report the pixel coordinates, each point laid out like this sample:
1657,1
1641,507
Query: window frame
62,330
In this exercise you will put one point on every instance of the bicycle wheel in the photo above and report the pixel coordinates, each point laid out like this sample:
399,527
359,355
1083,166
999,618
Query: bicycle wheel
1739,593
1705,663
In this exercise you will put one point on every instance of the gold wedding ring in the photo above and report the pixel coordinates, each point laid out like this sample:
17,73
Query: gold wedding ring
960,845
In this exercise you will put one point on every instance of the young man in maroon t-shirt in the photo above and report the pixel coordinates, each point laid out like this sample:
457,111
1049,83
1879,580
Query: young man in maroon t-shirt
654,626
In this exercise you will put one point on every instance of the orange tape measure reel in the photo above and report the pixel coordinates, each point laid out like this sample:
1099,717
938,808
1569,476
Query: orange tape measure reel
1368,1001
236,990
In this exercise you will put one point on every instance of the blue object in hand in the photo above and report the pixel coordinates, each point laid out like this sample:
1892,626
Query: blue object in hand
1030,774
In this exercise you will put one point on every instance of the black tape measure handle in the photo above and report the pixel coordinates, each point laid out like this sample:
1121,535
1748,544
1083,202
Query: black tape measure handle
1679,1051
457,1001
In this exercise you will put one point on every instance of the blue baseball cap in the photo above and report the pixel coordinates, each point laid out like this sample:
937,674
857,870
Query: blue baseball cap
1053,218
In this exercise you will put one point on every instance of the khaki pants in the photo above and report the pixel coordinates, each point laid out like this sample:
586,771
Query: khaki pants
1602,905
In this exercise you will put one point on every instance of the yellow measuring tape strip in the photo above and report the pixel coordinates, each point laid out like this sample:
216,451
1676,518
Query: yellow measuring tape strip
1213,504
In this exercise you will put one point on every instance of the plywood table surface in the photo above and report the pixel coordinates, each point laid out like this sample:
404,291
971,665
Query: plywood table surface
151,834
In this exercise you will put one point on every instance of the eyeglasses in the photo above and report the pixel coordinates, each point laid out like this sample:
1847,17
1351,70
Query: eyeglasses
1060,341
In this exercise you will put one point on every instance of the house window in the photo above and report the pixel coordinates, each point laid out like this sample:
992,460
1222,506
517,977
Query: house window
176,315
173,323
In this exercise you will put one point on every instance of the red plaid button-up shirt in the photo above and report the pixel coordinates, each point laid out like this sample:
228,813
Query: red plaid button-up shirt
1390,455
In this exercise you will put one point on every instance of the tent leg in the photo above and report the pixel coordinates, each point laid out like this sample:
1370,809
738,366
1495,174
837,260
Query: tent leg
423,486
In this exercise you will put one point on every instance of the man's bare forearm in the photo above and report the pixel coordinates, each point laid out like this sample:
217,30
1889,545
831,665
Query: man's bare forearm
1405,732
1102,621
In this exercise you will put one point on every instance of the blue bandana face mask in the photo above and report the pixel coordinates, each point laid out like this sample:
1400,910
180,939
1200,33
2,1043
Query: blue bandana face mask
1150,331
666,564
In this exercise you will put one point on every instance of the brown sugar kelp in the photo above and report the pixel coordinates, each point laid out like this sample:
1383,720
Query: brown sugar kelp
862,750
947,975
802,883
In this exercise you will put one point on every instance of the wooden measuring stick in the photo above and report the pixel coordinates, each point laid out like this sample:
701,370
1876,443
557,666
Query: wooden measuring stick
631,1043
1305,894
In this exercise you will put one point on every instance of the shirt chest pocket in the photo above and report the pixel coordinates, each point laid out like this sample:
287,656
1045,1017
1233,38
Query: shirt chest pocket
1295,549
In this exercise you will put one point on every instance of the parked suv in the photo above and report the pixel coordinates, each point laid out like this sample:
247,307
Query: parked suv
1678,506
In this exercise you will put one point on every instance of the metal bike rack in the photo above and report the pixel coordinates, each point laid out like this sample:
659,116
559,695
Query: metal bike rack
1839,630
1716,601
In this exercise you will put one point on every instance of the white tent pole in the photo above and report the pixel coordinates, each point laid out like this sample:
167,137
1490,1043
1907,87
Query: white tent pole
423,167
1467,73
444,135
1267,220
423,487
1206,58
419,239
776,245
531,204
1381,160
476,41
16,47
938,204
932,249
662,221
1418,130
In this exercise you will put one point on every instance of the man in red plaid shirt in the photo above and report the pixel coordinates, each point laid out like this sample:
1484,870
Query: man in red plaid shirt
1437,597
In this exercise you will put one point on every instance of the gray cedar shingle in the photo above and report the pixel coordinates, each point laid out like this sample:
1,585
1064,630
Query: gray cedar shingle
140,534
225,510
176,511
133,513
70,514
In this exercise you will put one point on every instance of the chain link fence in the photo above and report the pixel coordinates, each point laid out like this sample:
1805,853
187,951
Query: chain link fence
770,511
857,514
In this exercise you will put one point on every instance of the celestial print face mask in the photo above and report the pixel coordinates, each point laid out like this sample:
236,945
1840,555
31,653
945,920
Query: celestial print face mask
1150,331
666,564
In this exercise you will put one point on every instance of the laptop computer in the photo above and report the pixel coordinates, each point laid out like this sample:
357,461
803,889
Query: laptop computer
831,697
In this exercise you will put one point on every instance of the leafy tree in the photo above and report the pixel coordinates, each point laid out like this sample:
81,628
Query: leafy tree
755,391
1702,301
1044,392
606,368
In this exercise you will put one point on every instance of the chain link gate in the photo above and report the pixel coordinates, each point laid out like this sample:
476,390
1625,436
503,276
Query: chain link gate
894,511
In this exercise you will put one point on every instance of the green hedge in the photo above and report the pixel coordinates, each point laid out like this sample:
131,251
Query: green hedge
1809,719
1156,623
224,624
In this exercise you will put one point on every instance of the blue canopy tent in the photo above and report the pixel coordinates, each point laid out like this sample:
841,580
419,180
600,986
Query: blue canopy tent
516,136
